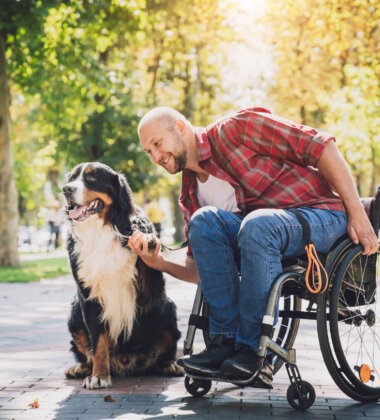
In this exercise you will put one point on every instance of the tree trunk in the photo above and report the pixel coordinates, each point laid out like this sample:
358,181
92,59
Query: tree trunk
8,192
192,88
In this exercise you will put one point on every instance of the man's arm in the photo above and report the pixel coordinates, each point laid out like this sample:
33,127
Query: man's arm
182,267
334,169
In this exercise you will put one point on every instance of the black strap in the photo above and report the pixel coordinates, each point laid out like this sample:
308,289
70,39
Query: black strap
201,322
316,278
304,223
176,248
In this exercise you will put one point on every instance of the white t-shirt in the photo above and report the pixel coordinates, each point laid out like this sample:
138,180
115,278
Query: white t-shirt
217,192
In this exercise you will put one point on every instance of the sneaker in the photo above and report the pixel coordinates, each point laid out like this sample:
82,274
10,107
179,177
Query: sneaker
245,364
210,359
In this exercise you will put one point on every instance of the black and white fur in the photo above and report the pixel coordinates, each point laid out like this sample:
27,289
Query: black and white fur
122,322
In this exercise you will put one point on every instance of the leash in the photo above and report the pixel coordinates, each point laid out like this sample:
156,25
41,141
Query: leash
176,248
319,278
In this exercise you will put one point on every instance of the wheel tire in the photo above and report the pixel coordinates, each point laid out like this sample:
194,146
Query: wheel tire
197,387
301,403
327,334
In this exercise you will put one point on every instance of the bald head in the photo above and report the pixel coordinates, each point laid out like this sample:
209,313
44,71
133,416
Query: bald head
163,116
168,138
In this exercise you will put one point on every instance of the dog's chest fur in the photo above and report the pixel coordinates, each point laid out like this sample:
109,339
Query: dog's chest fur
109,271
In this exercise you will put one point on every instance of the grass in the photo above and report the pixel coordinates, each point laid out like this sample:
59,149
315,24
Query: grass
35,270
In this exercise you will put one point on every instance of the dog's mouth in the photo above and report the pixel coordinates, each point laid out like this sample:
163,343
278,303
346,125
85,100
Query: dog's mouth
82,211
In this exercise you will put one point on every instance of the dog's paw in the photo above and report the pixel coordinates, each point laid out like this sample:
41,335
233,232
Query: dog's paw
152,242
80,370
95,382
170,369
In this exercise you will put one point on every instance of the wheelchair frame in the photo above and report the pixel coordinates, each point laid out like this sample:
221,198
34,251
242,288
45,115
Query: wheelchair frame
301,394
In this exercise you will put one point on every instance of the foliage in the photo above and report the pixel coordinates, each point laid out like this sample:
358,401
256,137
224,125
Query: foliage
35,270
34,157
98,67
328,59
89,69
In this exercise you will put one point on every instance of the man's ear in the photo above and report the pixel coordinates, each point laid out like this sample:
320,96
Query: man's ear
125,194
180,126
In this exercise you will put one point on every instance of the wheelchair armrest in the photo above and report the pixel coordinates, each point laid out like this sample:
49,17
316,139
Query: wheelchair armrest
372,208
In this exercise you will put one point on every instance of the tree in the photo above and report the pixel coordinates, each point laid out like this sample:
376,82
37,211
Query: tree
8,193
106,63
18,51
328,58
100,65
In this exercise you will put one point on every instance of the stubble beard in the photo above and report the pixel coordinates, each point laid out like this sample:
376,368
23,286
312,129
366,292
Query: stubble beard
180,162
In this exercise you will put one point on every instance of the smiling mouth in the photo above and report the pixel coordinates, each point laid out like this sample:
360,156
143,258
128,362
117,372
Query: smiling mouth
165,162
82,211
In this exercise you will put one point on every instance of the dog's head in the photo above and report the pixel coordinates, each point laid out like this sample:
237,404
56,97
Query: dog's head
95,190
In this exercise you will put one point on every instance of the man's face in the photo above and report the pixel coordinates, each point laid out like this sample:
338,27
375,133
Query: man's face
165,146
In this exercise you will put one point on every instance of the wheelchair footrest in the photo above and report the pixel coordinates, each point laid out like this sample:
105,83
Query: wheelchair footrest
256,381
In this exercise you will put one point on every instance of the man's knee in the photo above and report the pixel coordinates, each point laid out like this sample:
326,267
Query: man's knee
259,225
201,220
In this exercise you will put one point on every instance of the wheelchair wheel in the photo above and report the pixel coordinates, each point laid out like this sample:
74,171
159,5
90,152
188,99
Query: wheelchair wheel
351,340
285,331
197,387
355,321
298,402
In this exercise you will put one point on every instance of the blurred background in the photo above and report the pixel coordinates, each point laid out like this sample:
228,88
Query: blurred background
76,76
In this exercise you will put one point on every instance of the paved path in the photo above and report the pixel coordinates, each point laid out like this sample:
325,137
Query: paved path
34,351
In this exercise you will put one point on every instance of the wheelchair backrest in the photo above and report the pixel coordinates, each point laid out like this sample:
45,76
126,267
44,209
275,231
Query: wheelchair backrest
372,207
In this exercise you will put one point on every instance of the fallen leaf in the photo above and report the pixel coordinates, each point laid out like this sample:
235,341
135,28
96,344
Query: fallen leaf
109,398
34,404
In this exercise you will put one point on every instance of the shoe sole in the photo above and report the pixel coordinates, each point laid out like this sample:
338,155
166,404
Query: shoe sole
199,370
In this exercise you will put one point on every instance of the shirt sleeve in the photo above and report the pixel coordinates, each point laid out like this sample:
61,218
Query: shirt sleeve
279,138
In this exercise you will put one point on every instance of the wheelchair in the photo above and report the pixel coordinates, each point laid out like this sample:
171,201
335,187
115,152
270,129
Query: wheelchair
347,316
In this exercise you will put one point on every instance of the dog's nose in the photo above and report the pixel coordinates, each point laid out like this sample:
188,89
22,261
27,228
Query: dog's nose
68,189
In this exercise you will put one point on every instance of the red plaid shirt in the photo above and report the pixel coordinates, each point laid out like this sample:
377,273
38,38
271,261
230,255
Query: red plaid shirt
268,160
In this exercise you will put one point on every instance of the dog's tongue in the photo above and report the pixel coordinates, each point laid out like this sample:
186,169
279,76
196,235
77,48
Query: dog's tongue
77,211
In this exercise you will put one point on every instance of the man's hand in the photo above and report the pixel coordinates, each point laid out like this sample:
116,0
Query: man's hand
139,243
360,230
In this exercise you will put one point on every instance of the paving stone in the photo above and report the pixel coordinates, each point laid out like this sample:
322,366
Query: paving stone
34,352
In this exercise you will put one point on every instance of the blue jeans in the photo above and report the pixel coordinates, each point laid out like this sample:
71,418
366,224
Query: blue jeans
221,240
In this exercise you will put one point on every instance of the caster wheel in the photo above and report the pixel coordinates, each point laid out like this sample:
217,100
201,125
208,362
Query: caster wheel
296,401
197,387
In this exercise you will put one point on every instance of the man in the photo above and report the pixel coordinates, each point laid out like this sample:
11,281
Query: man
240,175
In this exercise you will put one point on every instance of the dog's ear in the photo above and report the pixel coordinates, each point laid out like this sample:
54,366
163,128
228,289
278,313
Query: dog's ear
125,194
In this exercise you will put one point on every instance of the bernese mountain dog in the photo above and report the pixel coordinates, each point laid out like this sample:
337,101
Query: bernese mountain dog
122,322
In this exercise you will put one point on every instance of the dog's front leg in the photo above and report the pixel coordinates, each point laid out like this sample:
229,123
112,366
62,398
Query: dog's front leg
100,376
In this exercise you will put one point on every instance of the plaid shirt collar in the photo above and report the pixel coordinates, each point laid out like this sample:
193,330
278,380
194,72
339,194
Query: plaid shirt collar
203,145
204,153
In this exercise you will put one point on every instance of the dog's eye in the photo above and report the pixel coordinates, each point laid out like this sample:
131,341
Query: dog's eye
91,178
